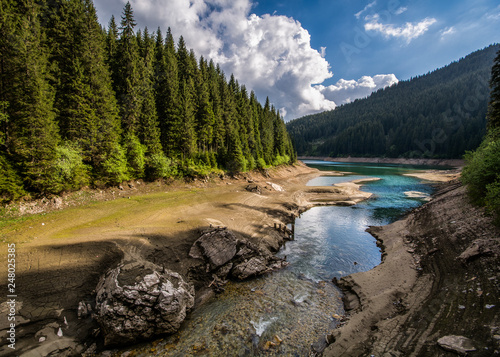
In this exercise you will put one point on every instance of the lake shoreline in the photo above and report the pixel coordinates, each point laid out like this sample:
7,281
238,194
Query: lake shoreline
66,247
437,279
449,163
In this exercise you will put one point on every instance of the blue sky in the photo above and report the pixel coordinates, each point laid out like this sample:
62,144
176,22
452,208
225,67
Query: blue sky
308,56
471,25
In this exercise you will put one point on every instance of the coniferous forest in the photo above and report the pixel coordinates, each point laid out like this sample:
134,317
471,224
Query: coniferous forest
441,114
82,105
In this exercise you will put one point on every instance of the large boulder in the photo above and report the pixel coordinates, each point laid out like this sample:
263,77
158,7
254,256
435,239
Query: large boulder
226,255
136,302
218,247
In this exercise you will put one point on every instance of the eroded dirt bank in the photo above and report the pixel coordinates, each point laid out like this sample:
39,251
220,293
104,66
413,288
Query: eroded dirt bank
61,254
439,276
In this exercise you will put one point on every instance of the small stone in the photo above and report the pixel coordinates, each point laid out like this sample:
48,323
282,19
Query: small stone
461,307
59,332
488,306
268,345
458,344
41,339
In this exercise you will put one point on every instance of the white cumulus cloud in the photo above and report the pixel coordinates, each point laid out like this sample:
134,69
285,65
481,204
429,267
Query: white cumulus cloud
358,14
408,32
345,91
270,54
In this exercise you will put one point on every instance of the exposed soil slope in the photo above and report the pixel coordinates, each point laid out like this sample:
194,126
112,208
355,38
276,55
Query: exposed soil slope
439,276
62,253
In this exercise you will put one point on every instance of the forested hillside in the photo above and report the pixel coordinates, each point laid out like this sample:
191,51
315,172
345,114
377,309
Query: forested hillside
81,105
441,114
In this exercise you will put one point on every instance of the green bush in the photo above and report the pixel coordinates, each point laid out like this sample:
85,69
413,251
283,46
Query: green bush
261,163
71,172
251,163
280,160
482,175
114,168
160,166
483,166
492,199
136,155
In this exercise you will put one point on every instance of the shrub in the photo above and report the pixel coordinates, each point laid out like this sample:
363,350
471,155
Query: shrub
71,172
136,155
114,168
482,175
160,166
483,166
261,163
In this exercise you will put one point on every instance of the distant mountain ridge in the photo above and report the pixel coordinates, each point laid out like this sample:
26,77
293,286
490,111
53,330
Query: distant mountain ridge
440,114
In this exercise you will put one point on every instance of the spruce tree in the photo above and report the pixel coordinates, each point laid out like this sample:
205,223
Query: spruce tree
149,132
494,104
30,131
128,73
85,102
188,112
169,98
218,141
204,112
266,131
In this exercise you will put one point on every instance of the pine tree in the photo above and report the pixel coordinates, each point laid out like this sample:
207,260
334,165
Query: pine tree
149,133
266,131
187,113
85,101
112,45
204,112
128,72
30,133
494,105
167,96
218,142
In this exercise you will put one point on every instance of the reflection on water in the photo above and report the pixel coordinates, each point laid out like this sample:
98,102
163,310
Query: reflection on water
283,313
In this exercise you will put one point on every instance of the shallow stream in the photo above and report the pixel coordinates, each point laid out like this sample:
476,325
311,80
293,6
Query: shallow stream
287,311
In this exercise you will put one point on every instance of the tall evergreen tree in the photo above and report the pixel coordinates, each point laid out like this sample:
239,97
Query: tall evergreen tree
168,97
149,132
204,111
85,102
188,112
30,131
494,105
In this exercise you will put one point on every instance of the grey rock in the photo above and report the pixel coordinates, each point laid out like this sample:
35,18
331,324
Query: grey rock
478,248
138,302
83,311
253,188
458,344
218,247
251,267
226,255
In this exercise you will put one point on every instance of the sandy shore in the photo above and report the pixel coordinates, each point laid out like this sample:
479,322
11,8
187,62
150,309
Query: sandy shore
436,176
439,277
63,249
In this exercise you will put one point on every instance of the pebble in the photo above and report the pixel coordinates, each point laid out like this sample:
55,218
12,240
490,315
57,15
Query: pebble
488,306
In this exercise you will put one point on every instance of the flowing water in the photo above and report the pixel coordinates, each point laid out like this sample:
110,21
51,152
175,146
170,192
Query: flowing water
285,312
